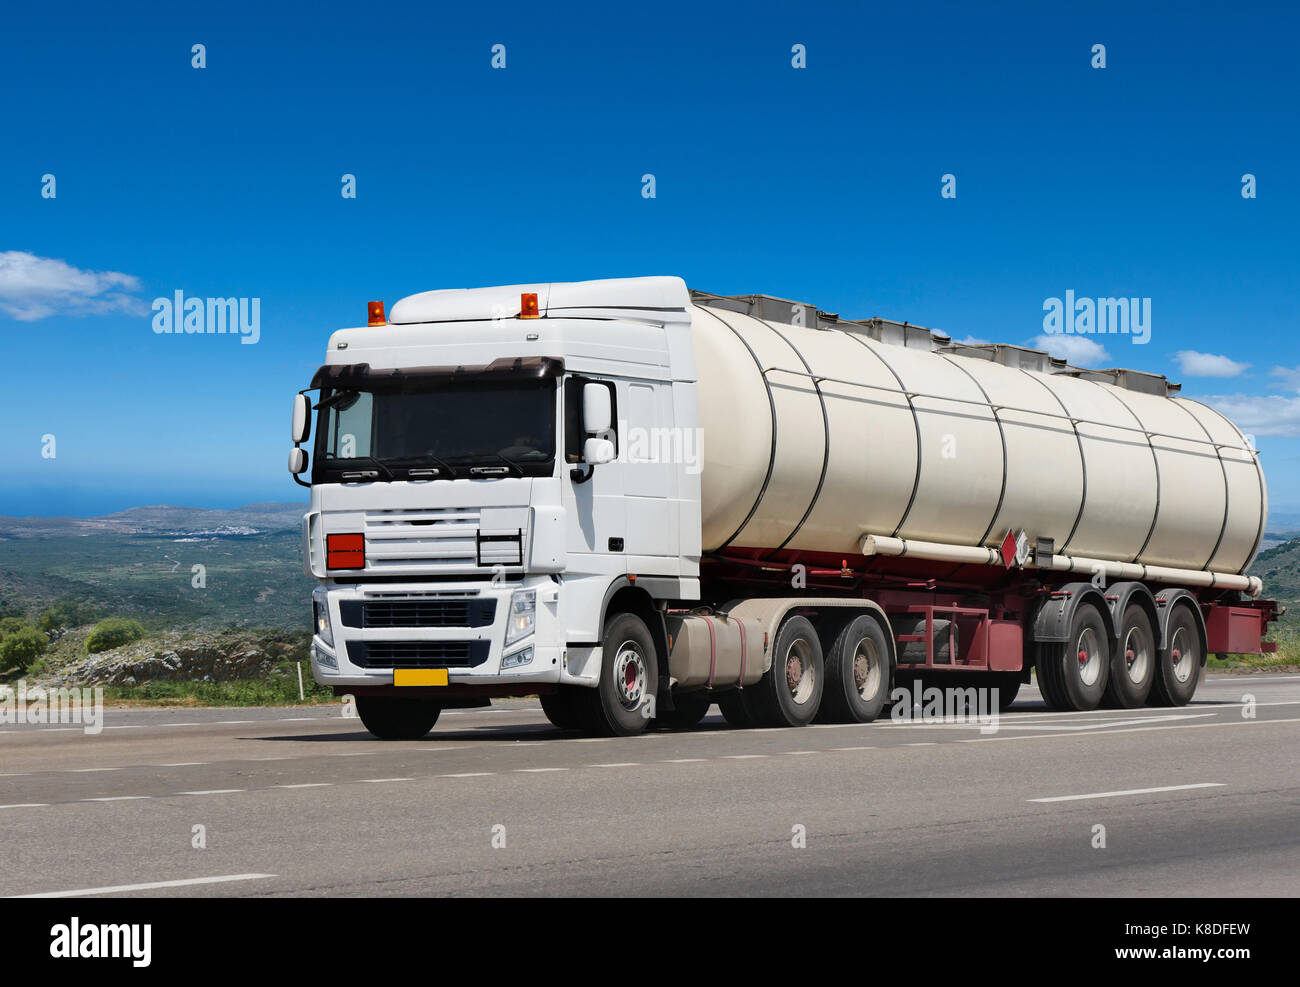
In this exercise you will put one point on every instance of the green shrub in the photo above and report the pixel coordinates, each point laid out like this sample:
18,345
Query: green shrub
11,625
21,648
112,633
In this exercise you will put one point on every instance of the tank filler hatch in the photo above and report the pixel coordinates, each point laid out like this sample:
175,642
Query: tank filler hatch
787,312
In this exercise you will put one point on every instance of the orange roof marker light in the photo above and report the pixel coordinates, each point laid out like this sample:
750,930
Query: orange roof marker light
375,314
528,305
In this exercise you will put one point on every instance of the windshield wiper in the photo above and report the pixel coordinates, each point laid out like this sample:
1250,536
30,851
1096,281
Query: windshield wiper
496,455
356,474
415,472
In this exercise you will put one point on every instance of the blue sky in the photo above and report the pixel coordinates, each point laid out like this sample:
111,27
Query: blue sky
819,184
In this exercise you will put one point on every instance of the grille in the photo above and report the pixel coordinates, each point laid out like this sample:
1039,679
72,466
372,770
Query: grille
417,654
417,613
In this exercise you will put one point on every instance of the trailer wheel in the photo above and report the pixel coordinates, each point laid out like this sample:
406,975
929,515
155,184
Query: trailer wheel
1046,658
629,672
790,692
397,717
735,709
559,709
858,670
688,710
1073,674
1179,668
1133,665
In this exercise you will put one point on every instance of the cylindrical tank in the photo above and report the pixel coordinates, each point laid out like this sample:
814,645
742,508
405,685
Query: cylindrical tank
814,437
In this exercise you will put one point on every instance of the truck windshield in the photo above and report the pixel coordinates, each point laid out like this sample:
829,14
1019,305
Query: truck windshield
458,426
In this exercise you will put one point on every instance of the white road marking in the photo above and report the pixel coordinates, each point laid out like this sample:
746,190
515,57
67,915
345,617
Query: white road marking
82,771
182,764
214,791
1108,733
310,784
470,774
685,760
617,764
537,770
26,805
353,754
120,888
742,757
853,748
1131,791
118,798
379,781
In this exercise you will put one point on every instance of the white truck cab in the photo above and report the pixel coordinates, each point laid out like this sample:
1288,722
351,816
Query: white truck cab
472,508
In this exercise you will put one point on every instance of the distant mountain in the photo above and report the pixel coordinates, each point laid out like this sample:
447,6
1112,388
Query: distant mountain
164,520
1279,567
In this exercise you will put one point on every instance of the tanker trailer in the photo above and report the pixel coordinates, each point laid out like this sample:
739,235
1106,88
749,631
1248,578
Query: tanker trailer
638,501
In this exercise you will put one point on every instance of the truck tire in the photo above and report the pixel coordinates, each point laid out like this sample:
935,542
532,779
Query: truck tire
1178,671
1044,665
858,673
1133,665
735,709
629,670
1073,673
688,710
559,709
397,717
790,692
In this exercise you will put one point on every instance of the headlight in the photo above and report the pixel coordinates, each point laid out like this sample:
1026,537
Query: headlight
521,657
522,619
321,610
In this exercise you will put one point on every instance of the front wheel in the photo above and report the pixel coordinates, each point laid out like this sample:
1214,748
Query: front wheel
621,704
397,717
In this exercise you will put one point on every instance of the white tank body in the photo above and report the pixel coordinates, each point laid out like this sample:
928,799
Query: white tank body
814,437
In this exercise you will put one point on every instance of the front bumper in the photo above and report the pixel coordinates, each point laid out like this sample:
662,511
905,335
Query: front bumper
379,628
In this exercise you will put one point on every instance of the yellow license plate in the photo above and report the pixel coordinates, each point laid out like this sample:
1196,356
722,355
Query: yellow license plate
420,676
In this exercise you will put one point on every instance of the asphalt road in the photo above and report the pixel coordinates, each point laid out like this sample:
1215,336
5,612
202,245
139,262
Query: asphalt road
1203,800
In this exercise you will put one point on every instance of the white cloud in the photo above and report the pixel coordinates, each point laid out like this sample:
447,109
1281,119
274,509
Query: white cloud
1289,377
1080,351
1194,364
1265,414
34,287
972,341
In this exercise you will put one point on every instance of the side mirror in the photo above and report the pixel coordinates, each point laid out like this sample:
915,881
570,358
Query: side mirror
596,412
301,427
297,461
598,451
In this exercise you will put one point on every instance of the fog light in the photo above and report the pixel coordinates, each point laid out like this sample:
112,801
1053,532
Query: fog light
325,660
518,658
